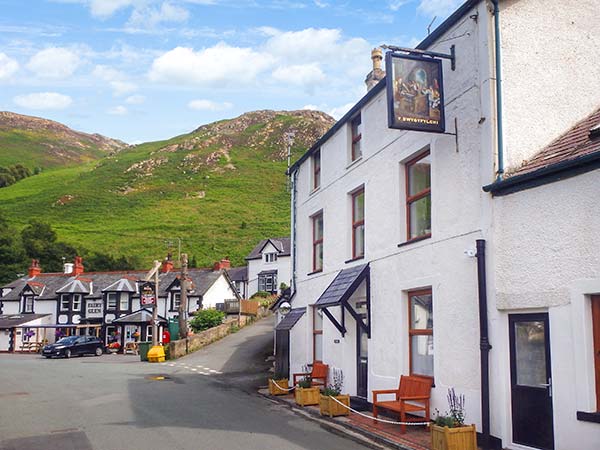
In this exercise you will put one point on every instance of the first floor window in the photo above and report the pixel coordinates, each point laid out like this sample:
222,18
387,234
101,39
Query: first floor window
77,302
317,245
111,300
28,304
596,333
356,130
176,296
418,196
358,224
124,301
420,332
270,257
316,163
317,334
64,302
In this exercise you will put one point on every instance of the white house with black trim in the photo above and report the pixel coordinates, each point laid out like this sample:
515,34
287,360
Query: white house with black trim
401,262
269,265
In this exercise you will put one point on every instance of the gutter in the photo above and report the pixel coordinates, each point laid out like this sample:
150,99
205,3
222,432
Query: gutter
545,175
294,176
498,64
484,345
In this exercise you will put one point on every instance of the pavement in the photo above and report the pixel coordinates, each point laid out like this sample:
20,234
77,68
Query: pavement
206,400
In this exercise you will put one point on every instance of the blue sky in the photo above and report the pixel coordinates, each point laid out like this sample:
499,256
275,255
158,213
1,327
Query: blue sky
141,70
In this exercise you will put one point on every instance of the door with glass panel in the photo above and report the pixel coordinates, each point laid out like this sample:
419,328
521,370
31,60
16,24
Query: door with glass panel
531,380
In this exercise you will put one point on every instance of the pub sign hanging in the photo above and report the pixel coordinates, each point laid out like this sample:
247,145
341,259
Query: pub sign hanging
415,93
148,294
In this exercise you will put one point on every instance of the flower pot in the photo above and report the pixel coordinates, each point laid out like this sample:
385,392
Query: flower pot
281,388
460,438
329,407
307,396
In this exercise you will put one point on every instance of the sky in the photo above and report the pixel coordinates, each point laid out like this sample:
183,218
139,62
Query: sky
145,70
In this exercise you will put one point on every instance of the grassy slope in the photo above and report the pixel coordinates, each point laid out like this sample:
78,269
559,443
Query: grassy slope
240,206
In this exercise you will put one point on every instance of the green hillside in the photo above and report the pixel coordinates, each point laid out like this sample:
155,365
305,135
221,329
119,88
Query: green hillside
219,189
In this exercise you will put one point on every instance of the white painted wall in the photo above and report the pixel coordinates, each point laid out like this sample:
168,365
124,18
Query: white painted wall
255,266
547,260
220,291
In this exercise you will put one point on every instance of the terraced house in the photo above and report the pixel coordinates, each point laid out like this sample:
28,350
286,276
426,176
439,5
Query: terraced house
401,262
103,303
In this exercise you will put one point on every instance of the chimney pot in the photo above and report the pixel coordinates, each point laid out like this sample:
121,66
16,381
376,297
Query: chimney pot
167,264
34,269
78,266
377,74
223,264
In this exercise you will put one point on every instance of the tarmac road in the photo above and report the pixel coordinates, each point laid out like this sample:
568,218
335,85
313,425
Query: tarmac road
204,401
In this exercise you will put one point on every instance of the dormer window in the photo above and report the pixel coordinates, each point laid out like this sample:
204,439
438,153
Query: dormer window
124,301
76,302
111,300
28,304
270,257
356,132
64,302
175,301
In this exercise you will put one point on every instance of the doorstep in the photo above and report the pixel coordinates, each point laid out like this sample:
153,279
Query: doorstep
356,427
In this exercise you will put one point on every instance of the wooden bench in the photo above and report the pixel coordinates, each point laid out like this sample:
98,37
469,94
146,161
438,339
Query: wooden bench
318,375
411,396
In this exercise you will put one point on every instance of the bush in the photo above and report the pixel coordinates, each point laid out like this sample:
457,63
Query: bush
261,294
206,318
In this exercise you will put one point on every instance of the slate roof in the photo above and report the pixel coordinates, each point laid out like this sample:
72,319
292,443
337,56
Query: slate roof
123,285
52,284
140,316
288,322
75,286
15,320
283,246
238,273
36,288
579,141
268,272
343,285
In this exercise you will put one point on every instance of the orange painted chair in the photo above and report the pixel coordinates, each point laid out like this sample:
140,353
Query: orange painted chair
412,395
318,375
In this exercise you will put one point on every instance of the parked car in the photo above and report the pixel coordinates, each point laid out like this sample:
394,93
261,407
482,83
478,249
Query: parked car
74,345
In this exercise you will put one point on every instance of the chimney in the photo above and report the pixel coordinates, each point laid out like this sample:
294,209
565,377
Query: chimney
167,264
34,269
377,73
223,264
78,266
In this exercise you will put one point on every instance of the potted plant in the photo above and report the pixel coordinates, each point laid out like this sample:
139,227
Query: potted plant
114,347
304,393
328,404
449,431
279,384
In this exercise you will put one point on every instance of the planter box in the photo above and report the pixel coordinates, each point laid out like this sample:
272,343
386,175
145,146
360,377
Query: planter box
329,407
461,438
274,390
307,396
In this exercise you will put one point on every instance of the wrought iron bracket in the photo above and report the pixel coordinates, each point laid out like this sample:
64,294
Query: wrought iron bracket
416,51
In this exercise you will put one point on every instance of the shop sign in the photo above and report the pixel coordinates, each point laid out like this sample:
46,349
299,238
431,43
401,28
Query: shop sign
415,93
94,309
148,295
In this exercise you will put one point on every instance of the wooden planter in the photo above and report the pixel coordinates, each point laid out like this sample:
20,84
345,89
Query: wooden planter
307,396
329,407
274,390
461,438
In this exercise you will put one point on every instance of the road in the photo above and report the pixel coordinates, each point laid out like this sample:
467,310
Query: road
203,401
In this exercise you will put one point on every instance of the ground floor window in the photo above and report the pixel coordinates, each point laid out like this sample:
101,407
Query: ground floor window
267,282
317,334
420,332
149,333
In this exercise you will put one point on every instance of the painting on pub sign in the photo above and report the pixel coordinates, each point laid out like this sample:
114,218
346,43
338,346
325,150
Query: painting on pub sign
415,93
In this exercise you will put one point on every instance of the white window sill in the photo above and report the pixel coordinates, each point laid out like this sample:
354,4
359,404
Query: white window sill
354,163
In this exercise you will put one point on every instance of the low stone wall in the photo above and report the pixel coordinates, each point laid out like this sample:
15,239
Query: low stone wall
195,342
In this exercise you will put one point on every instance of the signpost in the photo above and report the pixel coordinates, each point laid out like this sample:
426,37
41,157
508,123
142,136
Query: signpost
148,284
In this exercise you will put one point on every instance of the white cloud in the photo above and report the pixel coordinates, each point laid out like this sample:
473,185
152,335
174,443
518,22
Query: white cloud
54,62
8,66
135,99
209,105
122,87
43,100
106,73
220,64
395,5
438,8
118,111
307,75
338,111
106,8
150,17
116,80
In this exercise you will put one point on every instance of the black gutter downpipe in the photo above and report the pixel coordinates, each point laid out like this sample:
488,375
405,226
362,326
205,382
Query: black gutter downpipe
484,345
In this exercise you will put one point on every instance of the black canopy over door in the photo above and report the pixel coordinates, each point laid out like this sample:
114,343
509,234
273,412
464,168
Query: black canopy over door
531,380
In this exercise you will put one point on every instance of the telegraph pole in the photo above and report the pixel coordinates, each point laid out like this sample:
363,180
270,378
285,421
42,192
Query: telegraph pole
183,304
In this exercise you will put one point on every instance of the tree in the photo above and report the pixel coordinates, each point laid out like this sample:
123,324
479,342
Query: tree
40,242
13,260
206,318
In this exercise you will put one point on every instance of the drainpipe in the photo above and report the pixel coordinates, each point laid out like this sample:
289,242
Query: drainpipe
498,64
484,345
294,178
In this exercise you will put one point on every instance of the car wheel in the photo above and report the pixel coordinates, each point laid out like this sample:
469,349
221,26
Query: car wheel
98,351
67,353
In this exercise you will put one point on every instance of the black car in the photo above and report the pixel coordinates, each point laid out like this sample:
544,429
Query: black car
74,345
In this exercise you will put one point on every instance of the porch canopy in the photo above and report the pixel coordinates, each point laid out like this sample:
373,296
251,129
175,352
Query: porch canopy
141,316
291,318
339,292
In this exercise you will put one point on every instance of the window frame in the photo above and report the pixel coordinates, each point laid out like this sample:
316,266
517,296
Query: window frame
175,300
418,331
410,199
271,279
108,301
79,302
317,242
126,296
356,138
28,300
595,304
315,332
270,257
316,170
356,224
65,299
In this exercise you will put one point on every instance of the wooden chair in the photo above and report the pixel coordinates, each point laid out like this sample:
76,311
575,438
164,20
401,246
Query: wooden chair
411,396
318,375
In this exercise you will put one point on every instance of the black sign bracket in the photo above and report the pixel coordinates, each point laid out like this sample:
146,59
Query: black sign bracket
416,51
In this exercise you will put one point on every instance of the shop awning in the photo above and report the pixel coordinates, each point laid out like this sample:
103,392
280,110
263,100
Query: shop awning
288,322
339,292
